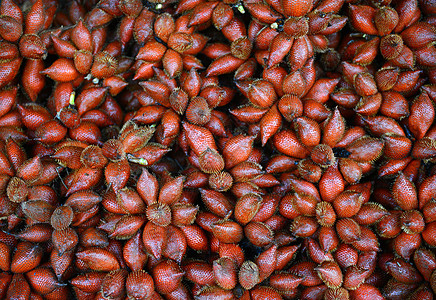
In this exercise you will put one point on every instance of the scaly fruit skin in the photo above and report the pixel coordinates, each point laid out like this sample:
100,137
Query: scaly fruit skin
229,149
27,33
297,28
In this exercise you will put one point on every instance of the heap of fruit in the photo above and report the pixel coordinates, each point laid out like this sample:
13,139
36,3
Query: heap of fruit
205,149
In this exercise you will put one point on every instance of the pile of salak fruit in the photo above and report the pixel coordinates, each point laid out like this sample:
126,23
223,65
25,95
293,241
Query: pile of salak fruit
212,150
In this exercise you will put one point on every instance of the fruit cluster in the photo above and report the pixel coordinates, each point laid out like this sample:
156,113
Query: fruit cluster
206,149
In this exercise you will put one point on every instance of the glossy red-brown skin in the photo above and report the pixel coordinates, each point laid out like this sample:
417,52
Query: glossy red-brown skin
167,276
26,257
217,150
99,259
139,284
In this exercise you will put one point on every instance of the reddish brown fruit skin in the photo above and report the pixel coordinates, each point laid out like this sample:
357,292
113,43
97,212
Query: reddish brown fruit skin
139,284
225,273
289,196
26,257
227,231
62,70
167,275
99,259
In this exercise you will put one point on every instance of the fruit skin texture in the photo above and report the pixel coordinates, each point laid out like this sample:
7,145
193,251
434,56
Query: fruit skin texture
200,149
